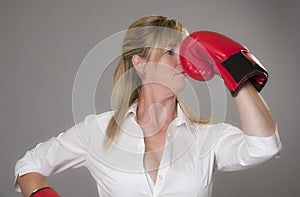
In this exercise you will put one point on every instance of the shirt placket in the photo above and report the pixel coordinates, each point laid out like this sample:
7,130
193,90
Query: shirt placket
165,161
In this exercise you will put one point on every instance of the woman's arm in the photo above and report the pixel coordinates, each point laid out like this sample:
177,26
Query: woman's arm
256,142
65,151
30,182
255,116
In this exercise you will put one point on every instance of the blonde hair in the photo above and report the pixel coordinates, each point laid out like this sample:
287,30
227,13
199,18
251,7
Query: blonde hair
140,37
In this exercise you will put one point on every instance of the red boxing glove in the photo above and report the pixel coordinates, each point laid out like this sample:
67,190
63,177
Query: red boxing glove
204,53
45,192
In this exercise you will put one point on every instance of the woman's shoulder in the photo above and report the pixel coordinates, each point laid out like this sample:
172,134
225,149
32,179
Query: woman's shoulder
213,131
213,127
100,119
93,127
207,135
105,116
94,121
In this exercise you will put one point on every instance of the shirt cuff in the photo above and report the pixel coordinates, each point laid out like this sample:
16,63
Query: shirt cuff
20,171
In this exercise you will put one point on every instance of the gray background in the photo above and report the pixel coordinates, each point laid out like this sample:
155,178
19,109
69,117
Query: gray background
44,42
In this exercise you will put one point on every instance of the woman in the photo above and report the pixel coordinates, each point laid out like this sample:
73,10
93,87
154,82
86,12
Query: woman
152,145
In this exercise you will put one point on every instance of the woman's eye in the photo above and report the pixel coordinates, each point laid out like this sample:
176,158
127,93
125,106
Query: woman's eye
170,52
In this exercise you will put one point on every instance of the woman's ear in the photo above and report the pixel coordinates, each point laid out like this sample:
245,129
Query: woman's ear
138,63
136,60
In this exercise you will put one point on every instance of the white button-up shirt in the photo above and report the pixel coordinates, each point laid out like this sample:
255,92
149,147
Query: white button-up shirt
192,154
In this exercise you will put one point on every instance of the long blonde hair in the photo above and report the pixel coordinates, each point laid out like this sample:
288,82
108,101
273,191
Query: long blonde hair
141,35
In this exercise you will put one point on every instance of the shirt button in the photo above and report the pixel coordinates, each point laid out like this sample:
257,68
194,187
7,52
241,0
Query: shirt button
169,134
161,177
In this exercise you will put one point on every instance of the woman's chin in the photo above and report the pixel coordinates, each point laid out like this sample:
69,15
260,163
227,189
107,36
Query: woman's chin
180,86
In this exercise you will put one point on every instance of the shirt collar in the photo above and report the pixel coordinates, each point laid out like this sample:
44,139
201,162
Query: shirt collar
181,117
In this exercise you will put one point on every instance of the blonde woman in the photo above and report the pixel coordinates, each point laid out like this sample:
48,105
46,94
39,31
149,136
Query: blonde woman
152,144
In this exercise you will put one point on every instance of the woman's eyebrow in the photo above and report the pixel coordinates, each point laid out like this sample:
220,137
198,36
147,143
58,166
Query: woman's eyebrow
172,45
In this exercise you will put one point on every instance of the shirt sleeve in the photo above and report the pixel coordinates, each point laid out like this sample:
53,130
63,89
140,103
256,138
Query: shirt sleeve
236,151
56,154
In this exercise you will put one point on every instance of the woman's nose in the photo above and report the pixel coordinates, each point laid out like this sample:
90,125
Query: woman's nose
178,63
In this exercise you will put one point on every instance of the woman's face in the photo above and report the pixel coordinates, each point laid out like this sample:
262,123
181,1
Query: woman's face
166,72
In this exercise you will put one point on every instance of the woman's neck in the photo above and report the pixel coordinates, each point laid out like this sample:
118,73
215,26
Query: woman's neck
155,110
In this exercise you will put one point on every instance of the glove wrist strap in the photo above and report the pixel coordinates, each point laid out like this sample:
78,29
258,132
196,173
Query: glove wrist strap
46,191
243,67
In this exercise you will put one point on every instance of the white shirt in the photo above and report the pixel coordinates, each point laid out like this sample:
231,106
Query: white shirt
192,154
